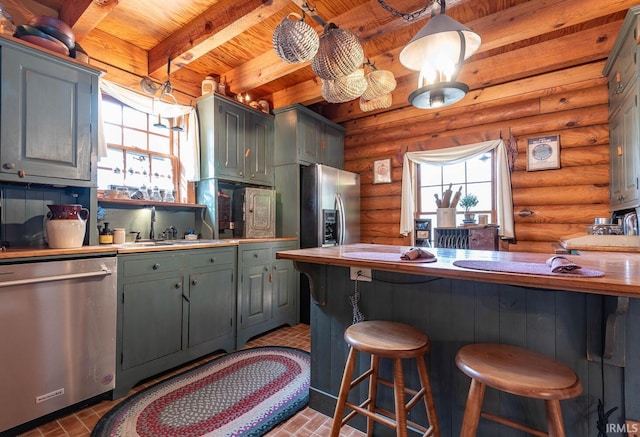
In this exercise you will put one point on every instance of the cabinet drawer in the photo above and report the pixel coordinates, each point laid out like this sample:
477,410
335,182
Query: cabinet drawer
146,266
212,257
256,255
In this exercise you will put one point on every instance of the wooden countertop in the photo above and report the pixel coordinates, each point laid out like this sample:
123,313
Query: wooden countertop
30,252
622,270
10,253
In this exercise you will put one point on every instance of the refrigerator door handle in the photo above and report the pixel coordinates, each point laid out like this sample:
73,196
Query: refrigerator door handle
341,219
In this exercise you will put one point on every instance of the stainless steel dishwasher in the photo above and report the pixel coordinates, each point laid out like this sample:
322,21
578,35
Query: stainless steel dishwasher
57,335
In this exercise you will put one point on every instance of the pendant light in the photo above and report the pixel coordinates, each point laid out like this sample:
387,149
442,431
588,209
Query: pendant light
166,105
437,52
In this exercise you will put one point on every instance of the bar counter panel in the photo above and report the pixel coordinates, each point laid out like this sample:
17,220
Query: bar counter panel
565,324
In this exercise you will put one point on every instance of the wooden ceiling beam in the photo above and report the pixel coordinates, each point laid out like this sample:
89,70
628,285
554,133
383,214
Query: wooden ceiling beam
84,15
219,24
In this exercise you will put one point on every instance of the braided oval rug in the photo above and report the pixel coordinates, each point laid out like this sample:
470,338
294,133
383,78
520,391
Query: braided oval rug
244,393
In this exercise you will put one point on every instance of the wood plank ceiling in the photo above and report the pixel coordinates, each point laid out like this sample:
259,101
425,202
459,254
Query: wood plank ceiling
130,39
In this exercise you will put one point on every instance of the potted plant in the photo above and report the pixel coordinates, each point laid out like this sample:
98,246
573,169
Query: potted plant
467,202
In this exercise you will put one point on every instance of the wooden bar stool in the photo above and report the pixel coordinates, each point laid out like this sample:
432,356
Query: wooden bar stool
520,372
389,340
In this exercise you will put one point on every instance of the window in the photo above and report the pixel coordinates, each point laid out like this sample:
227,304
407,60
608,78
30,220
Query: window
140,155
474,175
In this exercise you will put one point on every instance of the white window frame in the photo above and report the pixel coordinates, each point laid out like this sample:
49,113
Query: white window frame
503,195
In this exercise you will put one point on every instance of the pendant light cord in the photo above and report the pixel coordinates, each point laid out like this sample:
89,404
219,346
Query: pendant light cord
412,15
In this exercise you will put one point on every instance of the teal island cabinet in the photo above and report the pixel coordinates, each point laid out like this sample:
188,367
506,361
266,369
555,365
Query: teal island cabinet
564,317
173,306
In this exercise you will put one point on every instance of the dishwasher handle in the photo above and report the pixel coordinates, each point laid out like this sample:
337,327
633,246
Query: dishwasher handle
104,272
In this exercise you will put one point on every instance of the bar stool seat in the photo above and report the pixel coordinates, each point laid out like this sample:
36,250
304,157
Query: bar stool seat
518,371
384,339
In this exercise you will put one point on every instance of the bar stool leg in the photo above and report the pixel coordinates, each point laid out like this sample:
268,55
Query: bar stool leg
428,397
398,394
373,392
472,410
554,418
345,386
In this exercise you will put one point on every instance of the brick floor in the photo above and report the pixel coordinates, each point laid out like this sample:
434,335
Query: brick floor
306,423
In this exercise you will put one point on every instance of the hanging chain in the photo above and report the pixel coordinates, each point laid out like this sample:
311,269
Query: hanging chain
407,16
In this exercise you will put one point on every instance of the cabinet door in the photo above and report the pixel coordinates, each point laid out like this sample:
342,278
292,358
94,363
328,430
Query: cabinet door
309,139
483,239
230,141
333,147
255,299
259,149
211,305
625,152
152,313
46,117
284,290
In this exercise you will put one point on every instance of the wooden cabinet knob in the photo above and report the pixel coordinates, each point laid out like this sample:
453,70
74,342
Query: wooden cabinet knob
156,266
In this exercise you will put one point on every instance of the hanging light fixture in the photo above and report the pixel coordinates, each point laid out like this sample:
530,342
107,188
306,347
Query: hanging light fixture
166,103
437,52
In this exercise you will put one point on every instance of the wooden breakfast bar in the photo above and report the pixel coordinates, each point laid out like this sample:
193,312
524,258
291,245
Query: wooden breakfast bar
587,323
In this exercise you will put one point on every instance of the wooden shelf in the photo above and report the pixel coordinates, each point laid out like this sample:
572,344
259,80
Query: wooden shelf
151,203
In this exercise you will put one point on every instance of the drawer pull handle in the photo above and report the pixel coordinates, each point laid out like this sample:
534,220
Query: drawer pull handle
212,260
255,255
156,266
178,285
194,282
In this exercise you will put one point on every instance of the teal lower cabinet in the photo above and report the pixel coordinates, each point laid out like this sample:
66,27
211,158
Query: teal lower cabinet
267,289
173,306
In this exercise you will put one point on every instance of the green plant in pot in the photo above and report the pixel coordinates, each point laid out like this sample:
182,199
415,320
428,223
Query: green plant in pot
467,202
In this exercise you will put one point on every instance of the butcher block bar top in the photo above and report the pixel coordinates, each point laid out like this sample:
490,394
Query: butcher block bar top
620,272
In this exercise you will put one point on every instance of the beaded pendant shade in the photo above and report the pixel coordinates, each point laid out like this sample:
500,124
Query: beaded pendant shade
294,40
339,54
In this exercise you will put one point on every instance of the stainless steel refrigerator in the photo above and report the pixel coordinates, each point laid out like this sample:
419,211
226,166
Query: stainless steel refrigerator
329,215
329,206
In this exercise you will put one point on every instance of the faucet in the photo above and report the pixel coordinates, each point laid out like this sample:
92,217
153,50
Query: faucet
153,219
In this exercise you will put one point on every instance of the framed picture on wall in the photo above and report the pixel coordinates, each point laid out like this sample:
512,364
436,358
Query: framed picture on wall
382,171
543,153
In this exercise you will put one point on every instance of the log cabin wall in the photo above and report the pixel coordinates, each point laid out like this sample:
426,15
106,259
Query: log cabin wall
570,102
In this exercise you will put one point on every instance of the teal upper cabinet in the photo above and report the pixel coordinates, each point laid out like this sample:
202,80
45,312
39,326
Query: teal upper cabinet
621,71
259,137
305,137
49,117
236,141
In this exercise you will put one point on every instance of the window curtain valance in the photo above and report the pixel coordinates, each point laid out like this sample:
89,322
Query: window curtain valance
454,155
189,155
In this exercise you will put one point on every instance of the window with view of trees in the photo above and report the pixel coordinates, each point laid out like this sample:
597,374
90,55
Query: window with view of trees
140,155
475,175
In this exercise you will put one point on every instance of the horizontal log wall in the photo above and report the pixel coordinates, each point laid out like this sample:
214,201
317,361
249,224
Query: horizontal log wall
548,204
